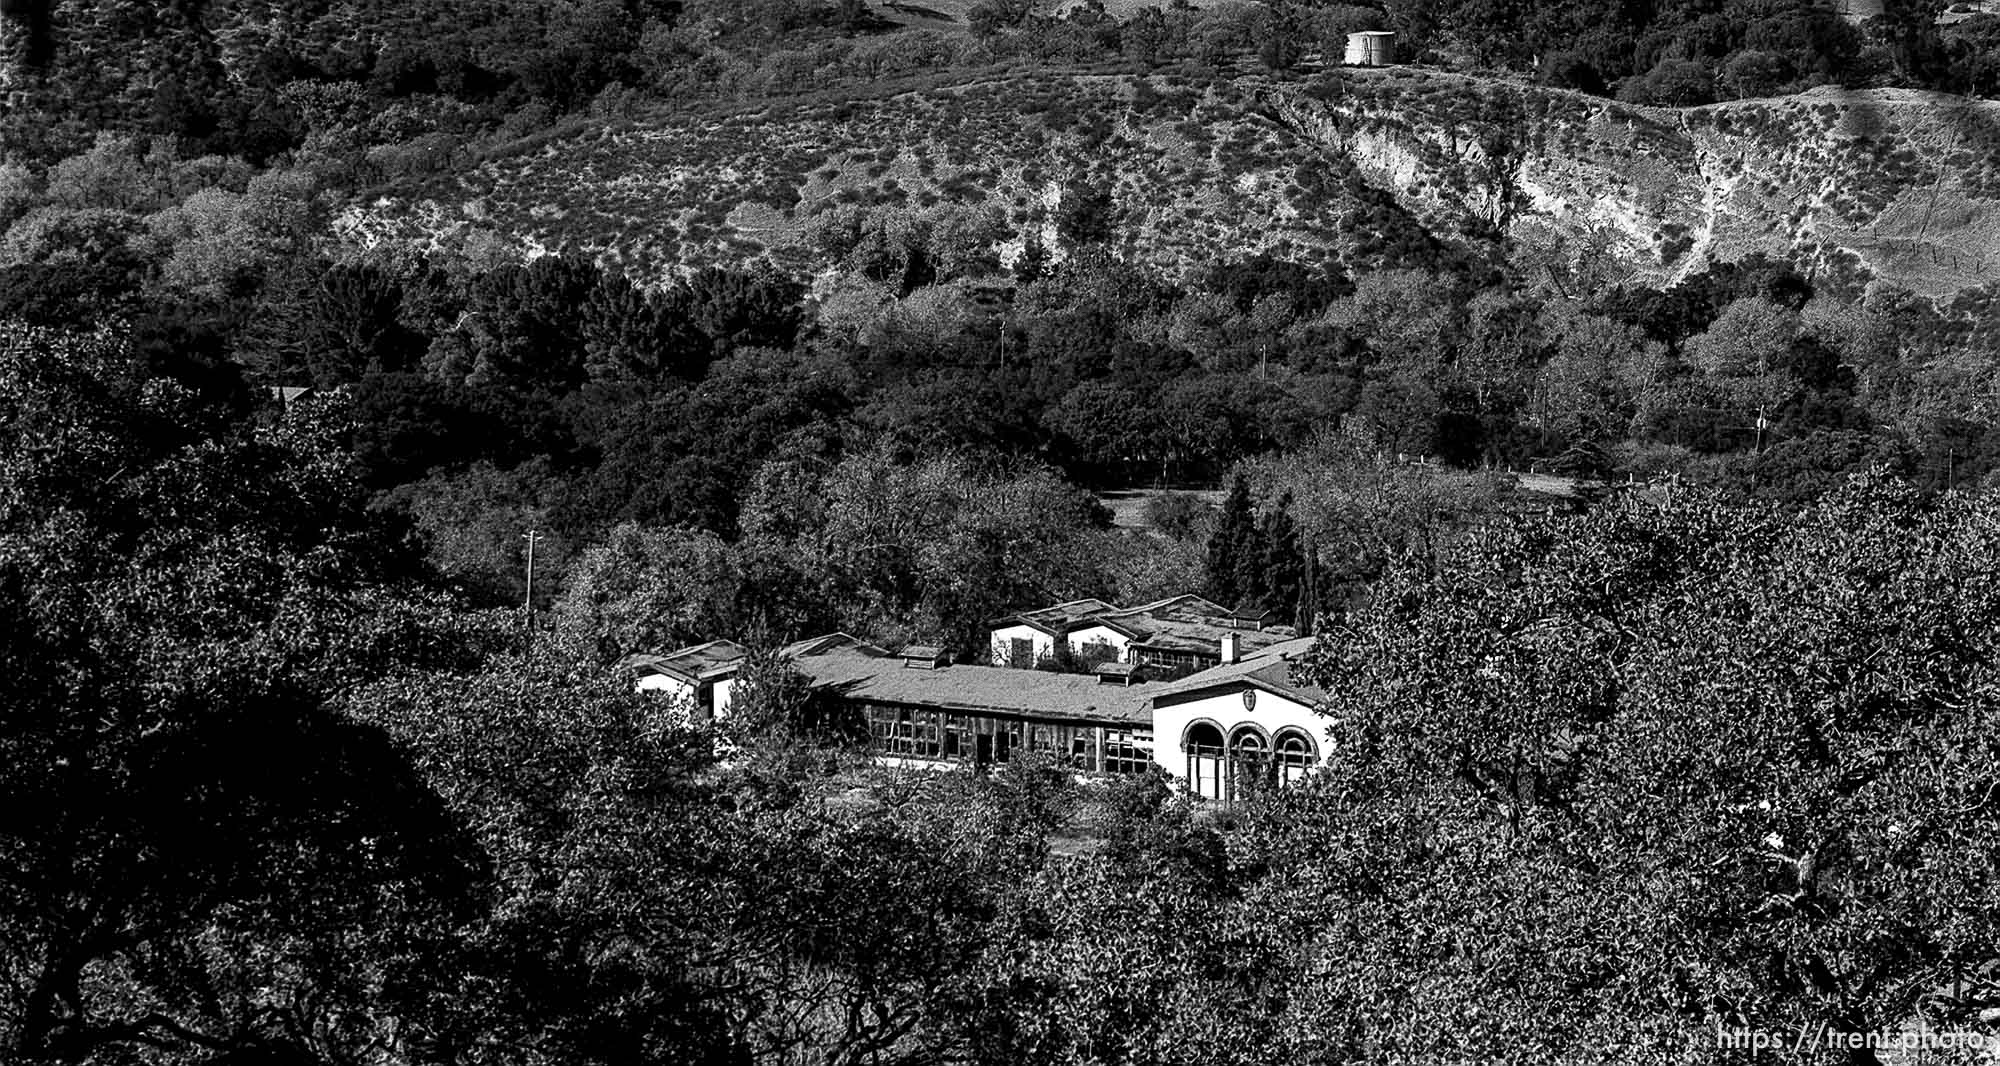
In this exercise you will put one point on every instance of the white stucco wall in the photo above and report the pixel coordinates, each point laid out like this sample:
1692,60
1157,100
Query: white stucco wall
1045,645
1118,641
723,693
1225,708
674,687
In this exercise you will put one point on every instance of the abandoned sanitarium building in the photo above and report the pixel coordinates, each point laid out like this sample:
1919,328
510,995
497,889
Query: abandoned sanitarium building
1203,692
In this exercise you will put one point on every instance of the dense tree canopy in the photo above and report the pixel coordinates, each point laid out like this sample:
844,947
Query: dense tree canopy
1733,763
197,853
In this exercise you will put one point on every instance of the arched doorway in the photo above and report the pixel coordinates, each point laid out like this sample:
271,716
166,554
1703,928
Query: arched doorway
1249,762
1202,744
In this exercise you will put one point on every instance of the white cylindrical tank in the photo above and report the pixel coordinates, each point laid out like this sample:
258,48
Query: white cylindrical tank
1371,48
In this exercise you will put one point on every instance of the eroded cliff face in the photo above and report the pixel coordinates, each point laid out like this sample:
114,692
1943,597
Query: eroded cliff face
1891,185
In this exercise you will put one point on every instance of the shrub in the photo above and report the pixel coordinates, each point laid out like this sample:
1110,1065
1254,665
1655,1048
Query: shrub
1673,82
1755,74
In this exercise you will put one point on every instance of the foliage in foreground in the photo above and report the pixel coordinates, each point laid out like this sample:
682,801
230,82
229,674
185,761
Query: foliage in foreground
1602,785
1621,780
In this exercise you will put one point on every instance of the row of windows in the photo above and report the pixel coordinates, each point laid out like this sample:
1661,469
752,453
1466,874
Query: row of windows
1172,665
1217,767
1122,751
918,734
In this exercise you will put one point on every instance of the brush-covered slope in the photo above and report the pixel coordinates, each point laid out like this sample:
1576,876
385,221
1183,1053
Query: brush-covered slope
1192,173
1895,185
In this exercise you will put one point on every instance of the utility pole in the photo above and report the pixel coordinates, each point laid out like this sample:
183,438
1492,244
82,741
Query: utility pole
528,601
1311,592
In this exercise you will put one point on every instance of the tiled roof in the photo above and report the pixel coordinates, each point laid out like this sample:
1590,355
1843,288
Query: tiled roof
1116,625
1206,637
1185,623
1193,624
1061,616
855,674
1187,603
1268,668
697,662
816,645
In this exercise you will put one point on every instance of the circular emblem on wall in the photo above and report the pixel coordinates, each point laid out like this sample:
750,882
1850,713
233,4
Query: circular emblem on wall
1249,699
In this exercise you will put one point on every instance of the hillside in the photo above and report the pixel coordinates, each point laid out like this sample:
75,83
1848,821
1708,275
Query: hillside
1901,184
1904,184
1192,171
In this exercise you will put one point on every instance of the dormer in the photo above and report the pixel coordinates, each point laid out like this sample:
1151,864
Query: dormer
1120,673
1251,617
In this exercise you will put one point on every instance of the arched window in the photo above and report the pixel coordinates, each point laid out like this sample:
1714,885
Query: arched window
1249,762
1202,743
1296,755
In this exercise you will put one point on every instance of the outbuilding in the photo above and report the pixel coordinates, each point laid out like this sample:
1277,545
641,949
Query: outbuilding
702,675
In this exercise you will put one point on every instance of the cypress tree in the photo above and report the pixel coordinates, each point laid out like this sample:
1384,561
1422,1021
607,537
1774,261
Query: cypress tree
1284,561
1235,534
1250,557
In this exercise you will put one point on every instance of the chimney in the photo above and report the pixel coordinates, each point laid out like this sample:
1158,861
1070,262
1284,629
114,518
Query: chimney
1232,647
